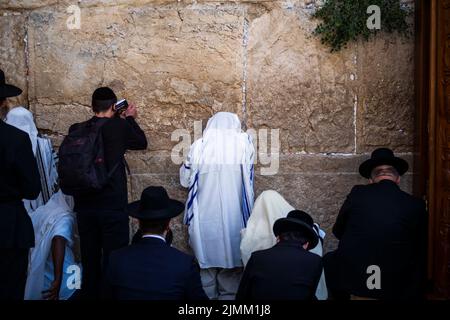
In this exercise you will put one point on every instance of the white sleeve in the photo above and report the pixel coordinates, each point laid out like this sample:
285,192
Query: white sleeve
64,228
186,167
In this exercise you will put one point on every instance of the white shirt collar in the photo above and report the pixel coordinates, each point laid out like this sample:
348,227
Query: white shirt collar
154,236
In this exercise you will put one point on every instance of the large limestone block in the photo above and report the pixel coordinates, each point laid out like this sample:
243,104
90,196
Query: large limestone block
178,64
13,60
296,85
386,93
33,4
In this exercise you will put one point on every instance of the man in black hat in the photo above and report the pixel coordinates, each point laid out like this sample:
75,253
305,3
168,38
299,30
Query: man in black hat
102,221
383,236
287,271
151,269
19,179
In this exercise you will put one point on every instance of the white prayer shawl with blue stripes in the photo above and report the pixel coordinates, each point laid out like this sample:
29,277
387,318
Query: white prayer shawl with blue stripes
46,158
219,174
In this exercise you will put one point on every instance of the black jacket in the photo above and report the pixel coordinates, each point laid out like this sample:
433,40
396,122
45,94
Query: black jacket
19,179
152,270
119,135
284,272
381,225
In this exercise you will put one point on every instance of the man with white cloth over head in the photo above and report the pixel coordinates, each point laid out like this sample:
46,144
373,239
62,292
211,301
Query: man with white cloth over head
269,207
53,273
219,174
22,119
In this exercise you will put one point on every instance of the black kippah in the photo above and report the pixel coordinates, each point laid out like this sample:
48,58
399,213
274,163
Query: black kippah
103,93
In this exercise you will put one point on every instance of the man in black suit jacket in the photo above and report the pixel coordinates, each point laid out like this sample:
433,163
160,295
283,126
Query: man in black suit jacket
19,179
151,269
287,271
383,236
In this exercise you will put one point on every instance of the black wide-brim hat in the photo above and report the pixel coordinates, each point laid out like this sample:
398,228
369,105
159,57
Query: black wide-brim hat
155,204
8,90
297,221
382,157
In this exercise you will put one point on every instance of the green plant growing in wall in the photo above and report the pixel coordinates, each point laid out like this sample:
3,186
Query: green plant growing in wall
347,20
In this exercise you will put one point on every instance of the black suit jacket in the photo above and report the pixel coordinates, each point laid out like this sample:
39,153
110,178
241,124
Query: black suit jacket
284,272
19,179
381,225
152,270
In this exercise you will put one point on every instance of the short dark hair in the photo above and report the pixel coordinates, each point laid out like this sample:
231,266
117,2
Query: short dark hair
154,226
102,99
2,100
293,236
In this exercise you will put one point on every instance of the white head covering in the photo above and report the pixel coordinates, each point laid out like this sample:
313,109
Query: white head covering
223,121
269,207
22,119
223,140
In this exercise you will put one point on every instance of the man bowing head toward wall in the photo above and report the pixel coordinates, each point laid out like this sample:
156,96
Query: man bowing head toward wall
383,236
151,269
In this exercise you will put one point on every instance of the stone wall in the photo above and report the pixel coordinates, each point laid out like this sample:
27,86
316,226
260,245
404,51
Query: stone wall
182,61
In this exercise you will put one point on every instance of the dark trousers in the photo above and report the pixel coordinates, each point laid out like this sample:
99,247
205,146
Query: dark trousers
13,270
100,232
333,277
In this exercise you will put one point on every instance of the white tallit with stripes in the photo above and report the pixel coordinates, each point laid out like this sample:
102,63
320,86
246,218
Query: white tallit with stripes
219,174
22,119
269,207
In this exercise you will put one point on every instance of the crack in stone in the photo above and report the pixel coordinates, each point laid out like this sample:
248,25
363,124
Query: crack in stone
27,62
245,35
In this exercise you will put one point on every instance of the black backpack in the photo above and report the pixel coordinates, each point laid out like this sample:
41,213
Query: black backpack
81,168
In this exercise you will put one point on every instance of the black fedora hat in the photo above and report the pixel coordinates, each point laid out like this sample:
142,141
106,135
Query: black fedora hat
7,90
155,204
297,221
380,157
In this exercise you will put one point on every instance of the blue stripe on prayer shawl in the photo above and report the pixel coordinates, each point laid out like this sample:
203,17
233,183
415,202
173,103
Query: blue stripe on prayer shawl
191,200
189,206
195,182
186,166
245,202
188,218
246,208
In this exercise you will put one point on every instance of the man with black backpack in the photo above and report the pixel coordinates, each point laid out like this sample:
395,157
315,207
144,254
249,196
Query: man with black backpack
92,169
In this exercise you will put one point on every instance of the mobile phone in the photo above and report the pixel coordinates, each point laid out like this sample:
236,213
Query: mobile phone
121,106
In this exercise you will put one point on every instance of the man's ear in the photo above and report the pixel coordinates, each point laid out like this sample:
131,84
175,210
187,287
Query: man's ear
371,181
305,246
398,180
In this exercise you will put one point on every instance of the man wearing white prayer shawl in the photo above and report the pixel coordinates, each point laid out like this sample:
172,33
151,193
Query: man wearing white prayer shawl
52,217
53,223
22,119
269,207
219,174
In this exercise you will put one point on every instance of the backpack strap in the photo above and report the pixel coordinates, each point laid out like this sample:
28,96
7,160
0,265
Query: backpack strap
117,165
127,167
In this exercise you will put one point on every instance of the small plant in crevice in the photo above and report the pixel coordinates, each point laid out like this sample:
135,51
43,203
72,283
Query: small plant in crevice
346,20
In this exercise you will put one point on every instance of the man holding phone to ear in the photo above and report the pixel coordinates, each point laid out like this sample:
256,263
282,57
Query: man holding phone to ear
102,221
